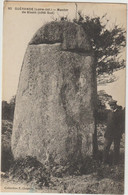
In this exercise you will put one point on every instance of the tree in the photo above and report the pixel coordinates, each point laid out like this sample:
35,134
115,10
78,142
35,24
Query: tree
8,109
107,43
12,106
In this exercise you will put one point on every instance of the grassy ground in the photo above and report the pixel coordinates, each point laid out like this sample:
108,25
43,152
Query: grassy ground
104,179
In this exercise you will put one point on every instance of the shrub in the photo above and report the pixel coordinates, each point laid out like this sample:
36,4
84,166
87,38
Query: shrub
29,169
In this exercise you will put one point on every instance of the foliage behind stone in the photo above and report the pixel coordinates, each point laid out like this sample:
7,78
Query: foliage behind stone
8,109
6,154
107,43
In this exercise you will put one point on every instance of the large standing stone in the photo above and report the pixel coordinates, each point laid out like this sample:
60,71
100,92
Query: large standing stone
55,102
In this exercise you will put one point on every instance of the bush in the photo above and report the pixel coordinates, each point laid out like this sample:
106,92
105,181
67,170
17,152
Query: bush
6,159
29,169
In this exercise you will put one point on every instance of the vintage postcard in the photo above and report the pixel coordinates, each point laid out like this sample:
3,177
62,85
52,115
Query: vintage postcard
63,97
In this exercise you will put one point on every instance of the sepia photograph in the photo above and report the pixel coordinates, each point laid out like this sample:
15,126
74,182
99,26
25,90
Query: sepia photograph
63,97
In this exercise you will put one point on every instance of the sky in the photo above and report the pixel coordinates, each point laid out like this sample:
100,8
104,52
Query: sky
20,27
116,89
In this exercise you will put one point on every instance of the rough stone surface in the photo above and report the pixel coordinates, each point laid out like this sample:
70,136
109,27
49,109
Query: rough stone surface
70,35
54,114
